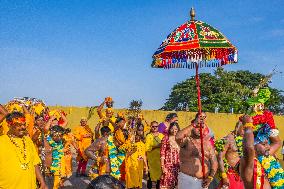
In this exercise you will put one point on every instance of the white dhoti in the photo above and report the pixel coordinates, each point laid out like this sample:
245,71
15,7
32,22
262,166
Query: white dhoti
185,182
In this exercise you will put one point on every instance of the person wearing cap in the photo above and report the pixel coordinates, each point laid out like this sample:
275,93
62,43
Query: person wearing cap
18,158
164,126
84,136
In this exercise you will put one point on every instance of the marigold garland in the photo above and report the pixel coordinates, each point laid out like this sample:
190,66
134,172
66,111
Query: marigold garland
239,143
116,157
273,170
57,154
220,146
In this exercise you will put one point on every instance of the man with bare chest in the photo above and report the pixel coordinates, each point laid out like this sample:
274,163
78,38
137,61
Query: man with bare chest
189,141
98,151
231,151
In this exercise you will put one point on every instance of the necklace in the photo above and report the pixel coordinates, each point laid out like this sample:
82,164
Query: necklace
21,152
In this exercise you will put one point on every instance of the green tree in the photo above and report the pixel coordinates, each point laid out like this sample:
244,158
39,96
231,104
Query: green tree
222,89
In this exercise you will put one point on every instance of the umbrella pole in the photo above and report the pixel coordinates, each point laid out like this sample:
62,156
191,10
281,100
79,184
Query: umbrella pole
199,112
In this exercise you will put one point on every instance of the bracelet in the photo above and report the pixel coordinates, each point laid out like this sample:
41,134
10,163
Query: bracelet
211,178
249,125
224,175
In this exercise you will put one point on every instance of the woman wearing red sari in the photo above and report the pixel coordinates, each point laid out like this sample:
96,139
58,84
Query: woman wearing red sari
170,158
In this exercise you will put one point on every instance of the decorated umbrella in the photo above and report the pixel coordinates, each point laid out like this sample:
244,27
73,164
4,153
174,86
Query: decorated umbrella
193,45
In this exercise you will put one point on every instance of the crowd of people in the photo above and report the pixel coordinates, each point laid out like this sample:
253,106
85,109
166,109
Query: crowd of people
37,147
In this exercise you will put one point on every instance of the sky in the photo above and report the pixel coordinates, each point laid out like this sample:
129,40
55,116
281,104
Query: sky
75,53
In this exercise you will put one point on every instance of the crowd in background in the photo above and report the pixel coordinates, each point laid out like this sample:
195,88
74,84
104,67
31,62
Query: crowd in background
37,147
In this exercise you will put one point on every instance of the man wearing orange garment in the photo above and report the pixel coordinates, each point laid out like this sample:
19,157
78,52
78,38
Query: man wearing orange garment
84,136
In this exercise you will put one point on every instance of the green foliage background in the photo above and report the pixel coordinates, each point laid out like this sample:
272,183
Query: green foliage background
222,89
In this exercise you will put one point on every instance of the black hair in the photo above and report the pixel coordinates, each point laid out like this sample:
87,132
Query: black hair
140,125
39,116
197,114
171,116
105,129
13,115
105,182
68,130
57,129
119,119
172,125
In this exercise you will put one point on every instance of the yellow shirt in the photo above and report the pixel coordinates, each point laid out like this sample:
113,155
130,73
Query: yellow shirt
12,176
153,155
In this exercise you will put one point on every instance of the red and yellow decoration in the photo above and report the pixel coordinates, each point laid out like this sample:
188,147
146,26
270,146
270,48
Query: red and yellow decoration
194,41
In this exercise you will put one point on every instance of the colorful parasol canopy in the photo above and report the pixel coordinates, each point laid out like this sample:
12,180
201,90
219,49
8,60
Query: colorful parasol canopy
194,42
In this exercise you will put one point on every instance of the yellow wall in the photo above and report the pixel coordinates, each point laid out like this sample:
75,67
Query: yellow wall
220,123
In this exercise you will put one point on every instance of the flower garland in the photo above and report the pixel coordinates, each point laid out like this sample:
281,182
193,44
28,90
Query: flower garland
239,143
273,170
57,154
116,158
265,117
220,146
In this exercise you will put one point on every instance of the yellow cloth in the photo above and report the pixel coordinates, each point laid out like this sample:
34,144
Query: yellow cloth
30,124
4,127
83,143
153,156
110,125
68,165
69,139
58,175
134,166
12,176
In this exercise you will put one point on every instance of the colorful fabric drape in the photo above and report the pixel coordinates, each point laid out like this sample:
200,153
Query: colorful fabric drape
194,41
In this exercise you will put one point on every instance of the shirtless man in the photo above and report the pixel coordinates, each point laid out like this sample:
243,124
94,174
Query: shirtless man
190,156
249,161
99,147
231,178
